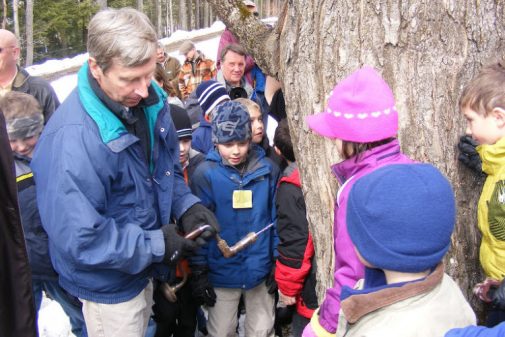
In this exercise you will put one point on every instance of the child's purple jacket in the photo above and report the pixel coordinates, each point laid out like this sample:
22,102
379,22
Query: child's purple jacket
348,268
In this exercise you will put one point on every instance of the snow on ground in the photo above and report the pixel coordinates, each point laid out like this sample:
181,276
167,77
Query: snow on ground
53,322
52,319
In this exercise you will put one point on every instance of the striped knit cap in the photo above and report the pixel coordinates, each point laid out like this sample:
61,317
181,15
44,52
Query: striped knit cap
210,94
181,121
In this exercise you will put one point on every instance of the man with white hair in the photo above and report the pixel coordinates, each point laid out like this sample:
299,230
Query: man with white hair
15,78
109,182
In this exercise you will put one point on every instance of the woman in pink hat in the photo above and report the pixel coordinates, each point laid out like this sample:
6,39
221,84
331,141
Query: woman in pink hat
362,118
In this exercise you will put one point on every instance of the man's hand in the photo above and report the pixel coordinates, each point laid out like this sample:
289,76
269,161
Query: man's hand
203,292
196,216
176,246
468,155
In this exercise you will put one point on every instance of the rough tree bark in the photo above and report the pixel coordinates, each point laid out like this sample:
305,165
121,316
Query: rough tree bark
157,15
183,15
198,18
102,4
29,32
15,17
4,14
170,17
427,52
206,14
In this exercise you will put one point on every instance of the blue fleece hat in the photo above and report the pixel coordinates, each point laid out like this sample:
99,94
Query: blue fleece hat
231,123
401,217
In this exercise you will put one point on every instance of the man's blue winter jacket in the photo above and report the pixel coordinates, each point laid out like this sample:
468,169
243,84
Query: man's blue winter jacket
100,202
214,183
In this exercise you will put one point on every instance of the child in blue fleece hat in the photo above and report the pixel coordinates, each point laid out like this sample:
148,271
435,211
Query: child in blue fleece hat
237,182
400,219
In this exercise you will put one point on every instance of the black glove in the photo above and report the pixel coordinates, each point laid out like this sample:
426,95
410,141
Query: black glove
203,292
497,296
270,282
176,246
468,154
196,216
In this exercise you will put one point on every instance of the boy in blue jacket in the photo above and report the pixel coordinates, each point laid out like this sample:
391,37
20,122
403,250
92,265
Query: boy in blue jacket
24,121
237,182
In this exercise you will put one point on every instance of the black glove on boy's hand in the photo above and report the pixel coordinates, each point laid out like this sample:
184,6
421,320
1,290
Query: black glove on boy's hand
176,246
468,155
203,292
196,216
497,296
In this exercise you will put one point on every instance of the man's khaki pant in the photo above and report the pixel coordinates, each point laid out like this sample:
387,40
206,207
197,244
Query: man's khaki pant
126,319
259,309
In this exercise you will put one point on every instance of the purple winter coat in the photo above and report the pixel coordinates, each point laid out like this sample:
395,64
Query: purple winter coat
348,268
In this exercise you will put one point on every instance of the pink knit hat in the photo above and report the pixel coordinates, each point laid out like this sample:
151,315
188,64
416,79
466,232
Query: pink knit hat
361,109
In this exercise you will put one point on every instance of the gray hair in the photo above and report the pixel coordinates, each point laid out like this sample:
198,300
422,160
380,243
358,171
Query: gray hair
123,34
234,47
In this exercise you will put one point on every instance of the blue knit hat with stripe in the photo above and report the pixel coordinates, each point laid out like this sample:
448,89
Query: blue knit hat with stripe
401,217
210,94
181,121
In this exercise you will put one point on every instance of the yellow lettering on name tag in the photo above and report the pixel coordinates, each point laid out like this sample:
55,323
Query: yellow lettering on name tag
242,199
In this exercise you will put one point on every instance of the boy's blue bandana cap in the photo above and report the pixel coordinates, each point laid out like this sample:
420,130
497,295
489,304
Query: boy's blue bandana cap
25,127
231,123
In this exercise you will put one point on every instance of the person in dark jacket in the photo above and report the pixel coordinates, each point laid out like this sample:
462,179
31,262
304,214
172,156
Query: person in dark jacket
109,185
295,271
179,318
171,67
24,122
15,78
17,312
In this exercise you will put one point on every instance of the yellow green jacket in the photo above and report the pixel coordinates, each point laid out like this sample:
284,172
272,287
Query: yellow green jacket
491,210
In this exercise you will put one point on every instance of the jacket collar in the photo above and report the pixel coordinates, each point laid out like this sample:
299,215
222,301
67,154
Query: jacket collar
493,157
112,130
362,303
291,175
243,82
347,168
21,77
254,157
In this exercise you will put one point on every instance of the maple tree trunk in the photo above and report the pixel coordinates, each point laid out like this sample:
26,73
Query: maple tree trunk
427,52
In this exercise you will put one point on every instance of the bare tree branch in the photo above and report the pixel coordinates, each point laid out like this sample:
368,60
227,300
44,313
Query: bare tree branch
261,41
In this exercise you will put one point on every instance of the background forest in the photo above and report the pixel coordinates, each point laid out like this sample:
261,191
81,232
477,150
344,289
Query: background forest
50,29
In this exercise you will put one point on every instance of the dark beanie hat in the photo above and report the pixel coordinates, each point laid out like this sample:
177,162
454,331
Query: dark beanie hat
181,121
231,123
401,217
278,106
210,94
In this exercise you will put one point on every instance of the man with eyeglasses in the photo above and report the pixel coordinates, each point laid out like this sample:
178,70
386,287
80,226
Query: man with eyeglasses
15,78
